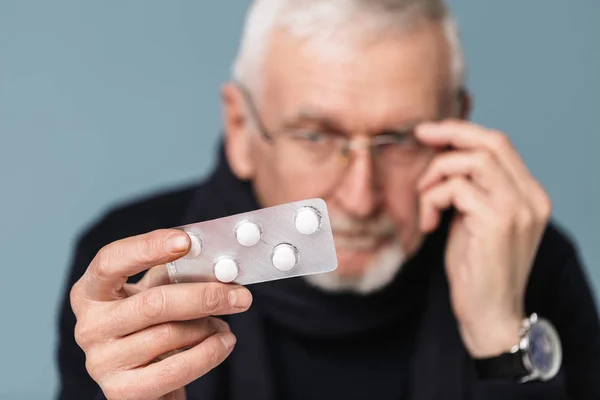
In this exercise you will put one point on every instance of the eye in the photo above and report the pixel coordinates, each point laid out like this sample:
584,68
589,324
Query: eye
314,137
315,143
397,138
311,137
398,145
402,137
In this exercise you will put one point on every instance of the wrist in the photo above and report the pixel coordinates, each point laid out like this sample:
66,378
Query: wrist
487,339
537,356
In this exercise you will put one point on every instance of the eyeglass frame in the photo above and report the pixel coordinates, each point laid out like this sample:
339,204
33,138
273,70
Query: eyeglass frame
349,143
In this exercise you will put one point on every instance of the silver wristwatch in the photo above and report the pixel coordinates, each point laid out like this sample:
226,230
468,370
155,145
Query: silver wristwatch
539,348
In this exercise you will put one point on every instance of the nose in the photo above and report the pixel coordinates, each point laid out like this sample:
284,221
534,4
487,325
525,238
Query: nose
358,194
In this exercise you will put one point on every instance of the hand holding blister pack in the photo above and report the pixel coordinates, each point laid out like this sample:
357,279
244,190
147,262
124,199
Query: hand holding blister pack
285,241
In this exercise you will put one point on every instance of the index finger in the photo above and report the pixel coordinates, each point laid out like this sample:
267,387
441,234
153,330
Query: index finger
469,136
114,263
459,134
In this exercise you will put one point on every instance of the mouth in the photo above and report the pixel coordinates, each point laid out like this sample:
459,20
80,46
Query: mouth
360,243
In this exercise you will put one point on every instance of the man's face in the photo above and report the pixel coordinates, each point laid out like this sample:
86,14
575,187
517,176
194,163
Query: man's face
386,86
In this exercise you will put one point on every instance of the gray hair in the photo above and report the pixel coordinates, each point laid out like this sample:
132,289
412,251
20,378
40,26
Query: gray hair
317,20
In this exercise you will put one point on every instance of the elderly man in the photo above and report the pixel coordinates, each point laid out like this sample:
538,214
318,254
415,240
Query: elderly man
451,282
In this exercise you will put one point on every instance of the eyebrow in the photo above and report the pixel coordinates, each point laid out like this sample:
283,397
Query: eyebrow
409,125
309,116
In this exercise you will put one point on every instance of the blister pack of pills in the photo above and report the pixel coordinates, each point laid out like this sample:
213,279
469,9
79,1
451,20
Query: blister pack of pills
279,242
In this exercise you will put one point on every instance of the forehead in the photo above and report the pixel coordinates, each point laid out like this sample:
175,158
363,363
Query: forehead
404,75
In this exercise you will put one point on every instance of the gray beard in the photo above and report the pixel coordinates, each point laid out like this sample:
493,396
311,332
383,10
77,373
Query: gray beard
381,272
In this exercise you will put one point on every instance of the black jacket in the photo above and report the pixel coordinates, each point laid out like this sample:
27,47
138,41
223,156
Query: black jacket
439,368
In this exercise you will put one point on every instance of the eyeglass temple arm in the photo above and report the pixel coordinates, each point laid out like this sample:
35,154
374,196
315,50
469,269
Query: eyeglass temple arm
253,111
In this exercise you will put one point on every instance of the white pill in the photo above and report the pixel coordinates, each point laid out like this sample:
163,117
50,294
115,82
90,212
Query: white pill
307,220
195,247
284,257
226,270
248,234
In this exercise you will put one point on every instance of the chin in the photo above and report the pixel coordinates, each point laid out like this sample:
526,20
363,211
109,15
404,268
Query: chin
362,272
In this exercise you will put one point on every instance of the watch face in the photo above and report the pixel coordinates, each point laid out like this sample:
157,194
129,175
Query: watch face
544,351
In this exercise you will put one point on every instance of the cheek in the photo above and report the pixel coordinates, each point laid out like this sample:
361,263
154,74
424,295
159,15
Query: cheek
402,199
279,180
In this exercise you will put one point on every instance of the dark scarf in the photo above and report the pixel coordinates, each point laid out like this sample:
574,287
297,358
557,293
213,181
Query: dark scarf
293,304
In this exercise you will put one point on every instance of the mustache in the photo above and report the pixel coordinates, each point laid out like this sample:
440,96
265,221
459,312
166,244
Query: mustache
379,227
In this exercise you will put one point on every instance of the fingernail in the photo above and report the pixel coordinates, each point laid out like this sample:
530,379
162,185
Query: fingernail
221,325
240,298
228,340
422,128
177,243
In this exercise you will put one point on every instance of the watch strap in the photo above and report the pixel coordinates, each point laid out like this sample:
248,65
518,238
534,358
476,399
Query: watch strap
506,366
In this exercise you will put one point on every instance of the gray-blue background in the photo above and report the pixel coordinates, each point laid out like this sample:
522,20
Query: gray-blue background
100,101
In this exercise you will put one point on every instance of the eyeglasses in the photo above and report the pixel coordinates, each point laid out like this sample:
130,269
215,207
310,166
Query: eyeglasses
326,156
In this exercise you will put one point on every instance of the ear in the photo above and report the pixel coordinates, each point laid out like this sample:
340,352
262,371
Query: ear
237,132
466,104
